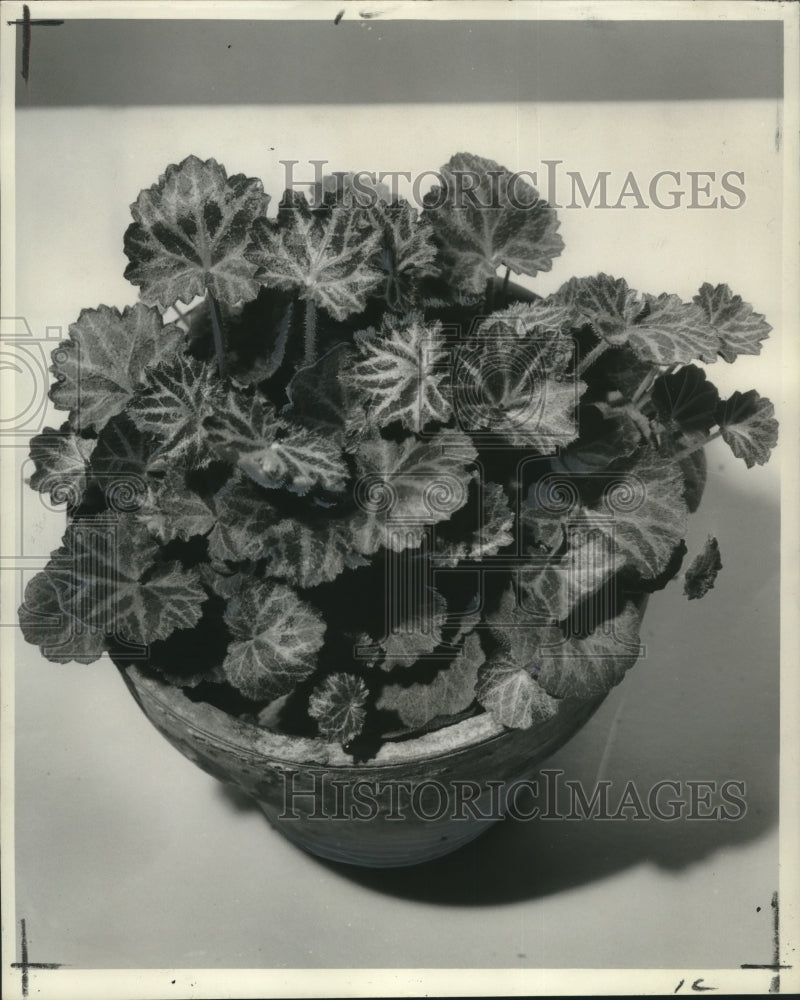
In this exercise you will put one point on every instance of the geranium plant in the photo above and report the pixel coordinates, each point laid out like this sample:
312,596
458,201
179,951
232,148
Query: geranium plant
336,475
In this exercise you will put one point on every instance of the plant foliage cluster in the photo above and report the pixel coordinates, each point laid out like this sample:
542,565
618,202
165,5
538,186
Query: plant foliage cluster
302,403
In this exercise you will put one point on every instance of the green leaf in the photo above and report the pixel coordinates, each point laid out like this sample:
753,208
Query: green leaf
106,576
702,573
404,486
274,453
748,426
686,400
589,666
171,407
451,691
339,706
104,361
276,636
189,234
663,329
398,376
243,518
61,459
739,328
496,226
60,637
511,694
322,254
495,531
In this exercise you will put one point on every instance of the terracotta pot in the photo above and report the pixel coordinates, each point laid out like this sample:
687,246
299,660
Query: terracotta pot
302,784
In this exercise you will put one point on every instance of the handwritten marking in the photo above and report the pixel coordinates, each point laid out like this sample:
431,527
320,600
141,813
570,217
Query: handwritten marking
701,989
27,24
339,16
25,964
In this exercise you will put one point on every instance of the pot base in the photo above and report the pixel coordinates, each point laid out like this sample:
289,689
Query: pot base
416,800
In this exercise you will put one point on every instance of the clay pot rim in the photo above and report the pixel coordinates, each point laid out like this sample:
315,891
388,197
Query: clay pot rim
247,739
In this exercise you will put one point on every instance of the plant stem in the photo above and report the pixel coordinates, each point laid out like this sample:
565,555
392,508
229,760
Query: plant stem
489,294
592,356
310,333
213,308
504,293
642,387
690,451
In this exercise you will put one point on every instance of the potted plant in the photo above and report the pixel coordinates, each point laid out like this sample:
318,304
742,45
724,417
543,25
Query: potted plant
367,529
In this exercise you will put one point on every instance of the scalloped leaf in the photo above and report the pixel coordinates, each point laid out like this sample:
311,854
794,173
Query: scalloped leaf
276,637
171,407
500,388
650,518
123,450
61,459
623,431
339,704
571,665
306,556
511,693
661,329
106,576
748,425
189,234
398,376
553,591
173,510
104,361
540,318
243,518
686,400
739,328
495,531
406,255
59,636
589,666
274,453
477,233
451,691
401,487
323,254
317,399
417,636
701,575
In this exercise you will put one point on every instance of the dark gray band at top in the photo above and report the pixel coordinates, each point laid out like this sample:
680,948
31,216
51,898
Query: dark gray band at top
106,62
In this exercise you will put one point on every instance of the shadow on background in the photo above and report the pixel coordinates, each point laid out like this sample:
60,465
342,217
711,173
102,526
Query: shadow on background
703,705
